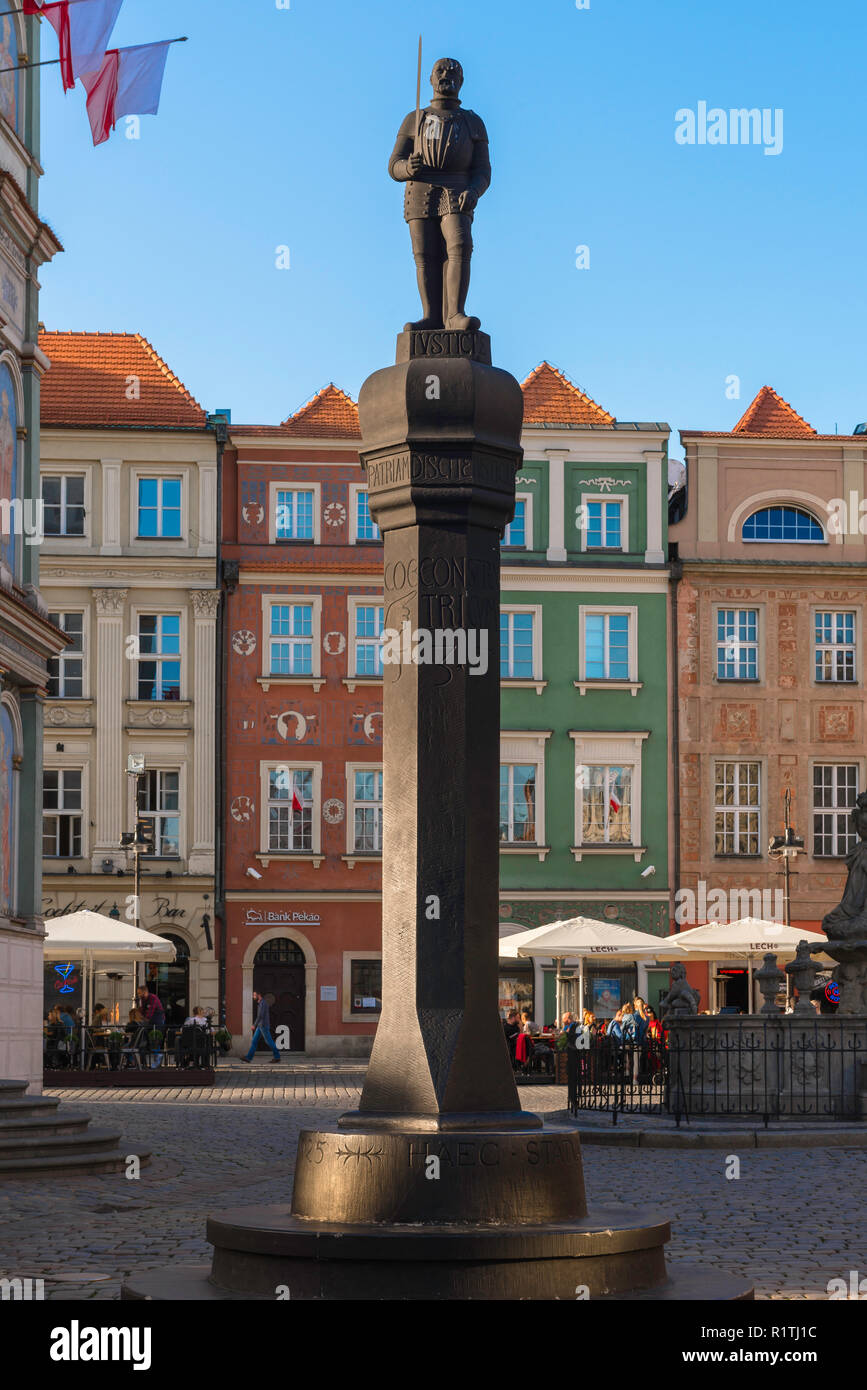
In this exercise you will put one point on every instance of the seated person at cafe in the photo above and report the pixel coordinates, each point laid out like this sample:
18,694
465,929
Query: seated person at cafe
100,1016
511,1028
198,1016
135,1020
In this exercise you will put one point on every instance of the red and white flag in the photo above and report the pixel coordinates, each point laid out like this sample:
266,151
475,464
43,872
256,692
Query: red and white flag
128,83
83,29
296,800
613,799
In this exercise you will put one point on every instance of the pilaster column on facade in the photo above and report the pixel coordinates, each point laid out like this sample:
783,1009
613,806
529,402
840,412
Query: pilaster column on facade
29,867
110,781
207,508
110,472
206,603
557,503
707,488
654,553
852,525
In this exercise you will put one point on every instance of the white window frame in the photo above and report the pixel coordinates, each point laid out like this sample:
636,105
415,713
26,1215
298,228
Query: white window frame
155,611
597,747
174,475
353,854
815,610
354,538
158,816
51,764
835,810
66,654
761,644
585,682
353,603
527,749
536,681
313,855
623,499
345,999
292,600
67,470
762,783
527,499
292,485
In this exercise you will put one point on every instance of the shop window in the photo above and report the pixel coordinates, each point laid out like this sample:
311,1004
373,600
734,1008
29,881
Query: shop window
365,988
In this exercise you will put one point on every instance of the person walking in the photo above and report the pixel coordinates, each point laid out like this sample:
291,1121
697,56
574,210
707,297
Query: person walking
262,1028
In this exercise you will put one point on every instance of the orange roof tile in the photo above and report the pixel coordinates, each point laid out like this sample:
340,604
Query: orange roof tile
770,415
330,414
550,398
89,384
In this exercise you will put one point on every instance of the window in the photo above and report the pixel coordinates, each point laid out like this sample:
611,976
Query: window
736,808
290,809
518,535
737,644
606,804
604,525
368,650
835,646
291,639
835,787
606,646
161,805
61,813
366,528
63,499
66,672
159,508
517,802
294,520
365,987
367,811
159,661
516,646
782,524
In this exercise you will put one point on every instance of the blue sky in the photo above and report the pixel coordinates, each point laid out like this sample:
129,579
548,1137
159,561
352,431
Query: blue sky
275,129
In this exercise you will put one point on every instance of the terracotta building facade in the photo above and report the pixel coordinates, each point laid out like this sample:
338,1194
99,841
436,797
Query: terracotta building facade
768,596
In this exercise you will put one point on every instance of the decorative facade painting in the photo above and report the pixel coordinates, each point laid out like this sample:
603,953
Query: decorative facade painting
7,813
8,80
8,459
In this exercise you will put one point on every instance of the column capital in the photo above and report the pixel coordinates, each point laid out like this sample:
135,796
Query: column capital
110,602
206,603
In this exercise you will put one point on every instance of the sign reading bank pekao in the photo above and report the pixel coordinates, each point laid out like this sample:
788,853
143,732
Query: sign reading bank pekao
280,917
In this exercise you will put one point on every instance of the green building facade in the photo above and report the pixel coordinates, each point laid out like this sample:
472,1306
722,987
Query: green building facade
584,688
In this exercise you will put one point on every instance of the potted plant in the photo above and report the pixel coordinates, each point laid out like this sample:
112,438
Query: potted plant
114,1043
223,1039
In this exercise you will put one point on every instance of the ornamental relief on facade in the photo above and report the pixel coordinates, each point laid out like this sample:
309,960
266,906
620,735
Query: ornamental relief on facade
244,642
834,722
736,722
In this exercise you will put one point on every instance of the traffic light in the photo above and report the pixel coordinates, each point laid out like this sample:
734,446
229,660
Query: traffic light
145,835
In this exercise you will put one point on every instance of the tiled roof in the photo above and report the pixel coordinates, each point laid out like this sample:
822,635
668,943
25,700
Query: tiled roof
550,398
90,384
330,414
770,415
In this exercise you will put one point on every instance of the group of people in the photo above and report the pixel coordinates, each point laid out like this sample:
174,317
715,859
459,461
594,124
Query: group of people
146,1022
633,1036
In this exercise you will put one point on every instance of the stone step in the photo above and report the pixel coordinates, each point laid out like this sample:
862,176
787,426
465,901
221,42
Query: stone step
12,1088
59,1145
18,1106
62,1122
67,1164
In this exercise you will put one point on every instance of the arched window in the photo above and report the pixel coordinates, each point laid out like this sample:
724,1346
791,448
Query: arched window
282,951
782,524
8,459
8,809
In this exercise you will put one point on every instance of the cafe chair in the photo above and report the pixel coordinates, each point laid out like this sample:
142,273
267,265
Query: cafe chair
131,1053
91,1051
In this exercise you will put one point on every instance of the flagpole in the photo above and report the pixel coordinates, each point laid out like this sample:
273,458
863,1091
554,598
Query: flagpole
47,62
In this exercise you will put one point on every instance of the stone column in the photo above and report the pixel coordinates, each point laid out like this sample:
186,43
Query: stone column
206,603
112,675
653,554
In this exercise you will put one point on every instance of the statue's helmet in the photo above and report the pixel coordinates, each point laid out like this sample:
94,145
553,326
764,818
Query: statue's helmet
447,76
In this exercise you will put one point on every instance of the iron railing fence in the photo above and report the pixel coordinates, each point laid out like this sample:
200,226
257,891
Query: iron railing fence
84,1051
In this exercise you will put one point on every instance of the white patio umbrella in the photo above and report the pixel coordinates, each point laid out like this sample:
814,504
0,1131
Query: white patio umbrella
583,938
747,939
89,936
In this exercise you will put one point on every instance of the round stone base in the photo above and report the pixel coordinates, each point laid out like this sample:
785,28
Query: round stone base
476,1176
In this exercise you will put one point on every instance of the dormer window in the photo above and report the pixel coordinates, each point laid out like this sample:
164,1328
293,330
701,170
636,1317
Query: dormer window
783,525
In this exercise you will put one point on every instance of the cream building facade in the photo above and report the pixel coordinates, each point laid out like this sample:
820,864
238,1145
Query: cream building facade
129,486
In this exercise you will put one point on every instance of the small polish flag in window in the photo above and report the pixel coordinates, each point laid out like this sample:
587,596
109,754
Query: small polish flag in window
613,799
296,800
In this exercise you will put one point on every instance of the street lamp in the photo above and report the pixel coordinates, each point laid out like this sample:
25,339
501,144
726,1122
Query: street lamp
141,840
786,847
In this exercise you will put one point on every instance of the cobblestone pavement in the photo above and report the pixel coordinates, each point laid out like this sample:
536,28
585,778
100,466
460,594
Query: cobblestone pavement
234,1144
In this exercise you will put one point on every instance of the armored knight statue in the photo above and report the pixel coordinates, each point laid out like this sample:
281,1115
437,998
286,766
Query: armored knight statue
446,169
846,924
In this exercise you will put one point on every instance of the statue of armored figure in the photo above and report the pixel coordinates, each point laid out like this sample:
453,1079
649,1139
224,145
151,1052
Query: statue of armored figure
846,924
441,154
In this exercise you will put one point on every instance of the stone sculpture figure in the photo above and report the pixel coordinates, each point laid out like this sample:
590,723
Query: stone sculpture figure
446,168
681,1001
846,924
